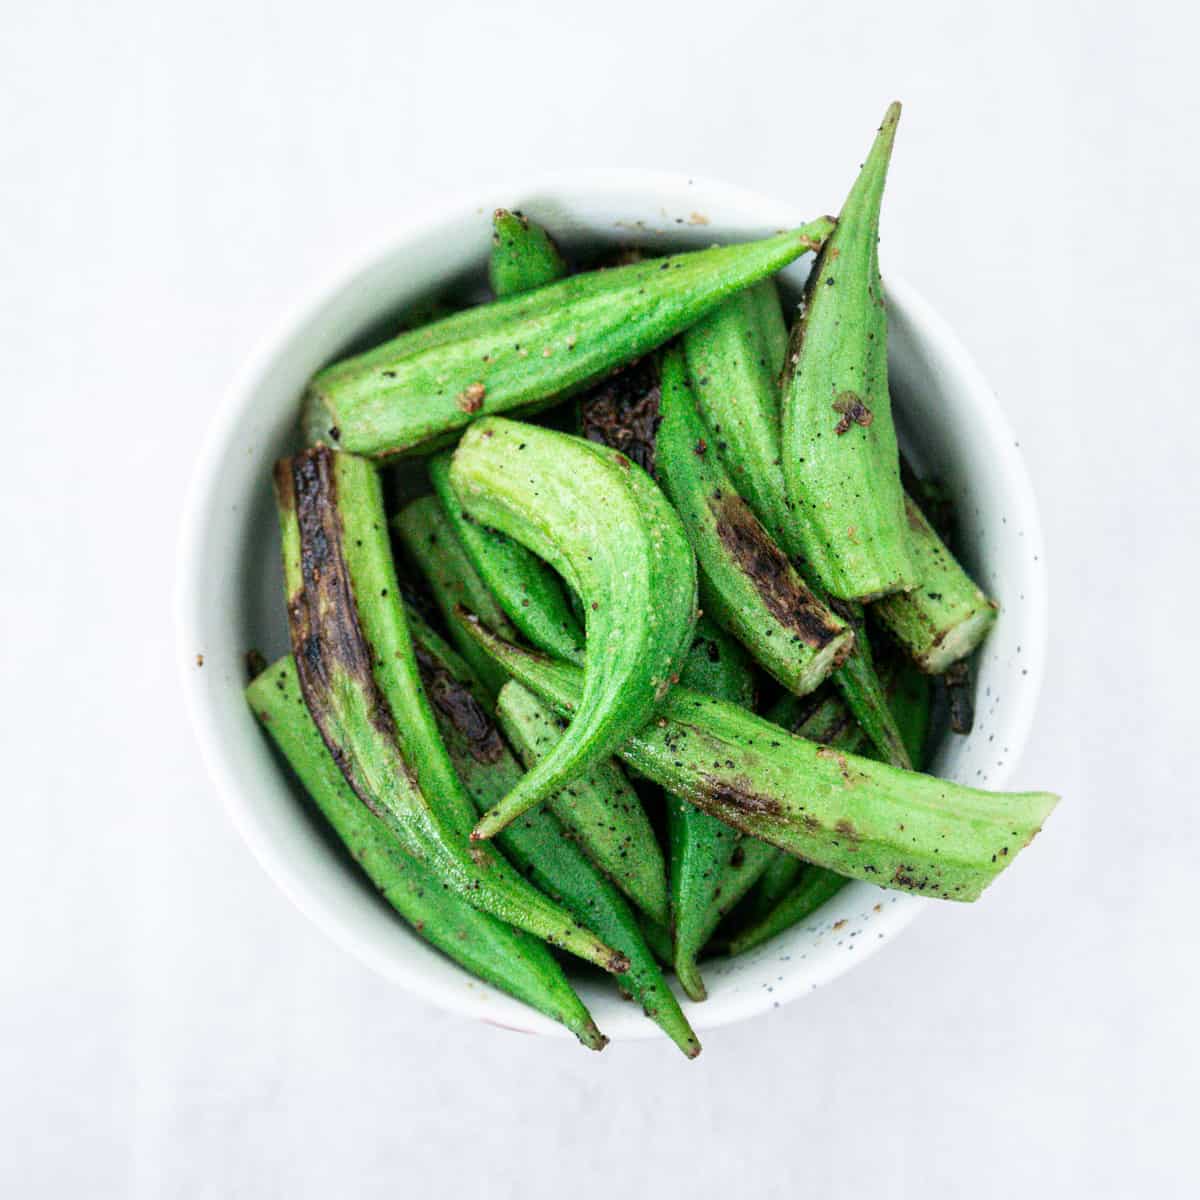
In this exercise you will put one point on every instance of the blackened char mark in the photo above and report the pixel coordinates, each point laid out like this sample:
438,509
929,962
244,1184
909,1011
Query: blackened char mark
622,412
461,709
738,793
768,569
322,614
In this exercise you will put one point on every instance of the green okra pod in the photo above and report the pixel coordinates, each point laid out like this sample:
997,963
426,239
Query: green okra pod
791,891
431,541
600,521
947,616
840,457
523,256
526,589
359,679
537,842
735,357
814,887
748,584
485,946
859,818
599,807
831,724
701,847
426,385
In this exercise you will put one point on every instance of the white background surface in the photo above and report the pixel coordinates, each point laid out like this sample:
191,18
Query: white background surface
172,175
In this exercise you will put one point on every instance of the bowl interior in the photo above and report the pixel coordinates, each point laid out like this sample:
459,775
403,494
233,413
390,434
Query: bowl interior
230,584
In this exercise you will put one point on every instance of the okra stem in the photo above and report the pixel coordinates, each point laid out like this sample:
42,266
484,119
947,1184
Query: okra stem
947,616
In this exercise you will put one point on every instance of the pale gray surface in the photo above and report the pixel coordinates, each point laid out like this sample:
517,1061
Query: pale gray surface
169,1025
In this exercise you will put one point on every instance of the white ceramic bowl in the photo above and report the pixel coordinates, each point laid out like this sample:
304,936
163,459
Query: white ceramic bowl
230,586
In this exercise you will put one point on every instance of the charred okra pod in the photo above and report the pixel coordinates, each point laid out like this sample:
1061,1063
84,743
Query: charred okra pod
537,842
859,818
735,357
748,584
359,679
486,947
523,256
599,807
421,388
946,617
602,524
840,457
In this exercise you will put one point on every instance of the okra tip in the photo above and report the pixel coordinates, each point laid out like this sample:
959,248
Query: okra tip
590,1036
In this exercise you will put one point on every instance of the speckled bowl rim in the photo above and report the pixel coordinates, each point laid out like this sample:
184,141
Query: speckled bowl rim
882,918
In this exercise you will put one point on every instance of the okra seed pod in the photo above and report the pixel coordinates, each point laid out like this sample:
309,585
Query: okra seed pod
856,817
602,524
840,458
360,682
424,386
486,947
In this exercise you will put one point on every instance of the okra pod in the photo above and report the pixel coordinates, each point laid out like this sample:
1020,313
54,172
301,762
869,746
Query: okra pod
749,584
431,541
526,589
483,945
831,724
602,524
523,256
814,887
701,846
599,808
840,457
359,679
946,617
424,386
859,818
735,357
537,842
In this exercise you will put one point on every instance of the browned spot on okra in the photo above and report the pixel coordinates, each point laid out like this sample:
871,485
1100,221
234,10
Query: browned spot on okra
853,411
470,400
622,412
768,569
323,615
461,708
738,792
